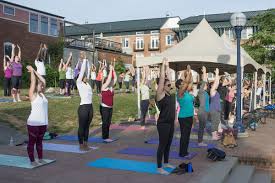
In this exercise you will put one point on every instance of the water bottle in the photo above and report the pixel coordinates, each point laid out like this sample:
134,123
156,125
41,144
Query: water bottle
189,167
11,141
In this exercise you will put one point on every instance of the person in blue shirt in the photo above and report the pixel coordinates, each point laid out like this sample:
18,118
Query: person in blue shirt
186,113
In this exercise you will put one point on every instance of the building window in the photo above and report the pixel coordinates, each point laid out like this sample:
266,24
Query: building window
7,48
229,33
154,42
33,22
53,30
9,10
169,40
139,55
140,33
125,42
139,43
44,25
155,32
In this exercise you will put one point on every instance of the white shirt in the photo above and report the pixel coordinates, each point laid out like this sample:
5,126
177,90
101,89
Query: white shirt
39,111
144,89
104,73
259,91
85,92
40,67
127,78
69,73
93,75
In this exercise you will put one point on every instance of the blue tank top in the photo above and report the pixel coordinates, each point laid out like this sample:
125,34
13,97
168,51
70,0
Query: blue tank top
186,105
215,104
206,96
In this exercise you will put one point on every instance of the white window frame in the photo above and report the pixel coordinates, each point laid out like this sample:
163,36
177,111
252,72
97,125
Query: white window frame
124,41
8,44
154,32
154,42
38,26
140,45
140,33
50,34
40,22
4,6
167,40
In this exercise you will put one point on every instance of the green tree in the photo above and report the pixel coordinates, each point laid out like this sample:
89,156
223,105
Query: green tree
119,67
56,52
261,46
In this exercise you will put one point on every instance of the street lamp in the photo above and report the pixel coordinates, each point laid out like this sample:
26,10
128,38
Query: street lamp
238,21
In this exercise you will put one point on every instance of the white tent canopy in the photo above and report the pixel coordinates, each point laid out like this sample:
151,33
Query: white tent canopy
203,46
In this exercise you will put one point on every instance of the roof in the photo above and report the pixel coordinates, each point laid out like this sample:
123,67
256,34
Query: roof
20,6
203,47
119,26
221,17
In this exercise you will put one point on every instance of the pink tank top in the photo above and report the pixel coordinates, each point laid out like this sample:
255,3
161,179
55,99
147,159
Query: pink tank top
8,72
16,69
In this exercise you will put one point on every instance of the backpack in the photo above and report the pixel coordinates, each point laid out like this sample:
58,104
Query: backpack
228,139
216,154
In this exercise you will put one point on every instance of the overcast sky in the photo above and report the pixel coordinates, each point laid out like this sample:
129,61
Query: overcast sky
91,11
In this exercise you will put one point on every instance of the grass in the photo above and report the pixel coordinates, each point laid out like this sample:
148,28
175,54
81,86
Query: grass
63,112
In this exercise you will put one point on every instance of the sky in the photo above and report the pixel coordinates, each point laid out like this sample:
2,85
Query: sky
91,11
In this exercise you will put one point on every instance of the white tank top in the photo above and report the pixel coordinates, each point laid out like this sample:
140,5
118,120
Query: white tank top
69,73
39,111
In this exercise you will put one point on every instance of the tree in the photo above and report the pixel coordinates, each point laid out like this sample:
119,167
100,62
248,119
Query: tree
56,52
261,46
119,67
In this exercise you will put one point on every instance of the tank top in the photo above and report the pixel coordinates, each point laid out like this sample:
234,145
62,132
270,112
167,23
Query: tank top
206,96
39,111
16,69
8,72
93,75
186,105
215,104
107,98
99,76
62,74
167,108
69,73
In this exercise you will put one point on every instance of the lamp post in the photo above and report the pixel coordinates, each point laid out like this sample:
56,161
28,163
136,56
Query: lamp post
238,21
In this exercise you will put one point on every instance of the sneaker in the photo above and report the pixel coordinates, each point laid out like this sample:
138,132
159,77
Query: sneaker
162,171
167,165
19,100
34,164
202,144
108,140
14,100
41,161
81,147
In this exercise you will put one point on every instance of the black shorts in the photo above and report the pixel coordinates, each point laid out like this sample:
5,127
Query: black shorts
16,82
62,83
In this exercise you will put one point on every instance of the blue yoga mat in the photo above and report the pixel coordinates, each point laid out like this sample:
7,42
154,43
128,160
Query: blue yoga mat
176,142
19,161
128,165
153,152
75,138
6,100
64,148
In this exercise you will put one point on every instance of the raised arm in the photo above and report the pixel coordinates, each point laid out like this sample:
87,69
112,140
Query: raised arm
4,63
82,70
19,52
115,76
109,78
69,59
60,65
143,76
39,52
12,53
216,83
160,89
33,82
204,79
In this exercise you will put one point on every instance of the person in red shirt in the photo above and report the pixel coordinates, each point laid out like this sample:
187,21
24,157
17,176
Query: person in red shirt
106,106
99,78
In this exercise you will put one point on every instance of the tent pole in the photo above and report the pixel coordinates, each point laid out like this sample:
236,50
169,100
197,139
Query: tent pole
255,89
270,96
264,80
138,91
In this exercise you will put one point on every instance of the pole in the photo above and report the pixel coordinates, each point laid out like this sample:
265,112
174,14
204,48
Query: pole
238,31
138,90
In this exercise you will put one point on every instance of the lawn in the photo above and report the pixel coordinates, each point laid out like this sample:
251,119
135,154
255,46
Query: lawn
63,112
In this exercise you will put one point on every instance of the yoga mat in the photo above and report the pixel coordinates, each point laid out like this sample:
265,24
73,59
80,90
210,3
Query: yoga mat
58,97
128,165
19,161
64,148
176,142
153,152
5,100
75,138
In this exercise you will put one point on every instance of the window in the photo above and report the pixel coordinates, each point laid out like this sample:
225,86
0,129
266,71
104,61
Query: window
169,40
7,48
139,43
44,25
155,32
154,42
229,33
9,10
125,42
140,33
33,22
54,31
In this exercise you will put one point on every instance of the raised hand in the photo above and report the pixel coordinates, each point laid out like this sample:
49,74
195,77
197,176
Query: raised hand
203,69
30,69
13,46
217,71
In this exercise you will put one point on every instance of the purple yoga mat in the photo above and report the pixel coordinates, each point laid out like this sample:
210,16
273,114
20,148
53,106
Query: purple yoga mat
153,152
177,143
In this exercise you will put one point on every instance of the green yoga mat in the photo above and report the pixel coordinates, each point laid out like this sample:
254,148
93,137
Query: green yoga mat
19,161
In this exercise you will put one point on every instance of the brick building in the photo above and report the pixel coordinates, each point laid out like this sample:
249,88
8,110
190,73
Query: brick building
27,27
140,38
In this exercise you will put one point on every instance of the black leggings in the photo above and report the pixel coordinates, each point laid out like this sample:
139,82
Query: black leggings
166,132
7,86
85,116
106,116
227,109
69,84
98,86
185,129
144,104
